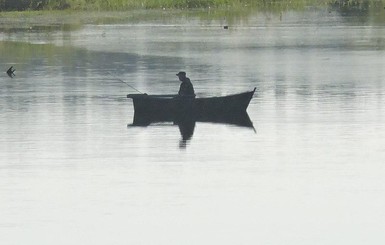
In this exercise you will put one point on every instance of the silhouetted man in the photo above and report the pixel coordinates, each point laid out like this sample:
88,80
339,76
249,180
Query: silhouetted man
186,88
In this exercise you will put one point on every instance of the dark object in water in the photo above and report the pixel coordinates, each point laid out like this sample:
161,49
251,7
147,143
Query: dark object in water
239,119
186,123
169,106
10,72
185,111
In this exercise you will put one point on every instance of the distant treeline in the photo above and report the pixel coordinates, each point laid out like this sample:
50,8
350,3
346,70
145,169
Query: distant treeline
20,5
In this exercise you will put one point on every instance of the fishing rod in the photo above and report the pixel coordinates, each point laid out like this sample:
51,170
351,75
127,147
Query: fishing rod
120,80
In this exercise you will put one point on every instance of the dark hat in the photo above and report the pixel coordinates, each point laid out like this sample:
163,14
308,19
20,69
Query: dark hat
181,73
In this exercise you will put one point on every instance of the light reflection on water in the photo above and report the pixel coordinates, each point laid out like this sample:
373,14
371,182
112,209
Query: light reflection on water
70,168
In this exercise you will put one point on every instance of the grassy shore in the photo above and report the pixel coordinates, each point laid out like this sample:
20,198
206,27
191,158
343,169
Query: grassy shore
151,4
120,4
123,5
58,11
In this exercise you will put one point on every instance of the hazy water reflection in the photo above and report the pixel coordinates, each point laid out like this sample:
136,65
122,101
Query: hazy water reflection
71,172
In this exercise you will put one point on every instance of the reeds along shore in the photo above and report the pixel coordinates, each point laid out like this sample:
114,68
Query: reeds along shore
20,5
121,5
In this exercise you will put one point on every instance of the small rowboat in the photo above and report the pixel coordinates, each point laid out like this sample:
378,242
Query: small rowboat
163,107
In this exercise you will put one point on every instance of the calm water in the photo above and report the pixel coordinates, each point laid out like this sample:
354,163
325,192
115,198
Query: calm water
72,172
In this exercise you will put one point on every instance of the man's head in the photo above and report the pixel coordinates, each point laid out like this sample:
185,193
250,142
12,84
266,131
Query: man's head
181,75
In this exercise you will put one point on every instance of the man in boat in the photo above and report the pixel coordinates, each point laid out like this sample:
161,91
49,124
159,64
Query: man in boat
186,88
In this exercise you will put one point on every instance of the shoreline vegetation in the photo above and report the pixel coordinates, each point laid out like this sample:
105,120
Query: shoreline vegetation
124,5
72,13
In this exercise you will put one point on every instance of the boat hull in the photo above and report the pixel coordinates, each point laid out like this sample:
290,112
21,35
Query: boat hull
166,107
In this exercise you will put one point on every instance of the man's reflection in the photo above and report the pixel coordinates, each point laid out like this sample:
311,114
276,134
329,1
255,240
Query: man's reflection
186,124
186,129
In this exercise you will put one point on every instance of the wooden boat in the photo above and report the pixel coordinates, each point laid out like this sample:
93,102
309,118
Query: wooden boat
186,111
164,107
238,119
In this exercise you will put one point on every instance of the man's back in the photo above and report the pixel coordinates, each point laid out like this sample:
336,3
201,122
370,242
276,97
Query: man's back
186,88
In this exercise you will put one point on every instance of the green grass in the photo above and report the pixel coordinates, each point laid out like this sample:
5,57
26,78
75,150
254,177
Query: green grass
145,4
239,7
122,5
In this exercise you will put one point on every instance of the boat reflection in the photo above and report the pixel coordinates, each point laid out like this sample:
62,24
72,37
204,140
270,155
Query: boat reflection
186,124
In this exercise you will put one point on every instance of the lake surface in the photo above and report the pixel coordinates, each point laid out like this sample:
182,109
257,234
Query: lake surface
312,171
